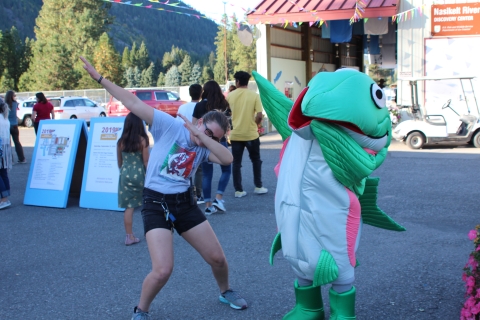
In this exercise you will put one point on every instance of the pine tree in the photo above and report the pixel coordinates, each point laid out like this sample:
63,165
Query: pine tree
172,78
129,78
12,56
6,81
148,77
107,61
126,58
143,61
185,70
173,58
60,74
65,29
134,56
137,73
207,74
196,76
161,80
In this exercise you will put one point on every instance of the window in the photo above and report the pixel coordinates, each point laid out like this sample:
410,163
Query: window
89,103
144,96
172,96
55,102
28,104
161,96
78,103
69,103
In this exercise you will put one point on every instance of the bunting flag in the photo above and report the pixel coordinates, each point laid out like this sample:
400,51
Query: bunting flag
405,15
359,10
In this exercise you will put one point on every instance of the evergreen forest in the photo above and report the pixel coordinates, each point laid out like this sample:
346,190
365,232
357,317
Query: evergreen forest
40,41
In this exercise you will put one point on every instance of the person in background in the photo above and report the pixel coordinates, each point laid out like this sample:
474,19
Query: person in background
6,156
132,158
381,83
213,99
186,109
11,101
246,116
168,202
41,110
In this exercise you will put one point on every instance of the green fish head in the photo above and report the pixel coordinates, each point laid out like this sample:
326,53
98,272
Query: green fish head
350,99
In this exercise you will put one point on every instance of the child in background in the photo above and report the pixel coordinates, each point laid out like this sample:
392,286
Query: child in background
132,157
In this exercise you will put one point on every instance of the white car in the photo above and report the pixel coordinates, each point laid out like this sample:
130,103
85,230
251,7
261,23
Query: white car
24,112
76,108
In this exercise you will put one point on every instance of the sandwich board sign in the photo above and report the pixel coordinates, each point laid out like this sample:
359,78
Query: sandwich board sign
57,164
101,174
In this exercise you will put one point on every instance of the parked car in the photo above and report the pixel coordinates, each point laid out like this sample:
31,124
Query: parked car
24,112
76,108
163,100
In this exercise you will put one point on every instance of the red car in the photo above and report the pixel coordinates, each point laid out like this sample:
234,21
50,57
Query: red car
163,100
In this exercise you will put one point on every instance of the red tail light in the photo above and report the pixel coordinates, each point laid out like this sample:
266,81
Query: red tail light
58,111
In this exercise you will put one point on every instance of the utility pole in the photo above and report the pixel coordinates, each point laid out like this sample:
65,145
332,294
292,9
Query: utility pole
225,40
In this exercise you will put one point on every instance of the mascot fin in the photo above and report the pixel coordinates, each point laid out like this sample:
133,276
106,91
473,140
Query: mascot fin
276,105
371,213
326,270
276,246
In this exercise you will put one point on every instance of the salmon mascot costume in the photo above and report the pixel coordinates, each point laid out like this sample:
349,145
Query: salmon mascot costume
335,135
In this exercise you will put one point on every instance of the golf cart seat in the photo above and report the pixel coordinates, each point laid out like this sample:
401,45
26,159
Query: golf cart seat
468,118
468,121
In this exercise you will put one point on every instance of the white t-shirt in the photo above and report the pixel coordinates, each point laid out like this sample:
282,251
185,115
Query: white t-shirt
187,110
174,158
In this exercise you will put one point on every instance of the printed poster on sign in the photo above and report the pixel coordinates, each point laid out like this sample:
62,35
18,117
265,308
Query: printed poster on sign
52,157
102,169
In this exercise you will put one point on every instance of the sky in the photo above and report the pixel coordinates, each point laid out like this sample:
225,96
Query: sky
214,8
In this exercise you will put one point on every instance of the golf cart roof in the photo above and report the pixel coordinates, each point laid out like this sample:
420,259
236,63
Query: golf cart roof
468,77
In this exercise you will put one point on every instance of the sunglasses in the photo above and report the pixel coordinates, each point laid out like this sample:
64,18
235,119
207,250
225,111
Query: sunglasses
209,133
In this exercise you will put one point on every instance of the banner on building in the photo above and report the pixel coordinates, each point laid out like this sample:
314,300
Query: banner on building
456,19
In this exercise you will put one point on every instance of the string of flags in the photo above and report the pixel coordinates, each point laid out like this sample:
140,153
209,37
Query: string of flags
177,5
359,10
405,15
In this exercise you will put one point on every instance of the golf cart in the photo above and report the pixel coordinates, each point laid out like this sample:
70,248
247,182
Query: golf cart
423,128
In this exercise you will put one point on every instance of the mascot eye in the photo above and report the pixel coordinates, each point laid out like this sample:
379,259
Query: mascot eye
378,96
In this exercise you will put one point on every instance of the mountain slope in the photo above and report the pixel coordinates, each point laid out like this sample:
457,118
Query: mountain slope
158,29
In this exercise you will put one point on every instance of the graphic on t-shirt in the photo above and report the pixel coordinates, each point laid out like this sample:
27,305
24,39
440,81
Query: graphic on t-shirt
178,164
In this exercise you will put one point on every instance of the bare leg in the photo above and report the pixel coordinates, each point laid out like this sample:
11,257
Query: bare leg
219,196
160,246
203,239
128,220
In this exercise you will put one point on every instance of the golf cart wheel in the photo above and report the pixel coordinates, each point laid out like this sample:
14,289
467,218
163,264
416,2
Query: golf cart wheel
73,117
27,122
415,140
476,140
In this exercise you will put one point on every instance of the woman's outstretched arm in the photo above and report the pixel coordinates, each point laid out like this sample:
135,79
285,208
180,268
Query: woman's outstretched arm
129,100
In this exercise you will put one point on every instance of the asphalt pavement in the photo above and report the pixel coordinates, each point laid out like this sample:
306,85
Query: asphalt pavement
72,264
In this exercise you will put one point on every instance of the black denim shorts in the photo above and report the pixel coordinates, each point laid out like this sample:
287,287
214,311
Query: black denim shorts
182,215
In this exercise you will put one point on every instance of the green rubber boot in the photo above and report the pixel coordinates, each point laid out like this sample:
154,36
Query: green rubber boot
342,305
309,304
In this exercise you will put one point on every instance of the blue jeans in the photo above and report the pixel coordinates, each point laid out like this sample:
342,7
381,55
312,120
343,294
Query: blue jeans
207,178
4,184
